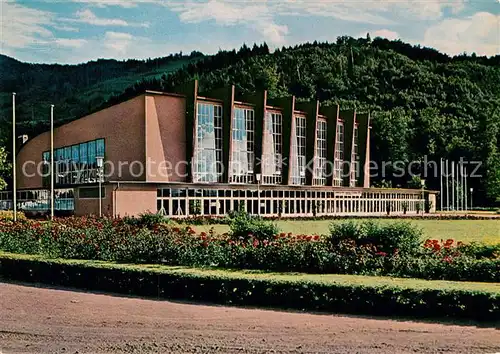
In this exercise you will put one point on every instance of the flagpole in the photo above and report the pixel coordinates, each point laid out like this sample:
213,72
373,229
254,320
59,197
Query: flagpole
465,187
14,177
447,186
457,189
453,185
52,161
462,184
441,182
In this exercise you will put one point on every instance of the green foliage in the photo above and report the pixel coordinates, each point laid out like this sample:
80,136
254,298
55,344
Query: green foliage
415,183
356,249
237,288
401,236
245,226
6,215
5,168
422,102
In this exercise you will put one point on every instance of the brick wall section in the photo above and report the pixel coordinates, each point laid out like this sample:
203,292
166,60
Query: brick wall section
165,138
91,206
122,126
132,200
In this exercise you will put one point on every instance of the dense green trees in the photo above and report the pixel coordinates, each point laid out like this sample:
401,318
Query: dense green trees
423,103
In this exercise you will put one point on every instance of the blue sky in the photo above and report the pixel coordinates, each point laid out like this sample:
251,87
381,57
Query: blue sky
75,31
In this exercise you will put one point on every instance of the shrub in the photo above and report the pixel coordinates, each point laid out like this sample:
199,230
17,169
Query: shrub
244,226
9,215
401,236
361,249
147,219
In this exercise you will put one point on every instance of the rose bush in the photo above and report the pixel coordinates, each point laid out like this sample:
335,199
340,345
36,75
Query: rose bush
363,249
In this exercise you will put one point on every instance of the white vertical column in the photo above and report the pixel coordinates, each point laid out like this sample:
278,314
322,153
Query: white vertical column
14,177
52,161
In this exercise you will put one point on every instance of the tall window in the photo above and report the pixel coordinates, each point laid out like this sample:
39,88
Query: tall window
339,155
299,151
243,146
208,154
272,154
320,154
354,159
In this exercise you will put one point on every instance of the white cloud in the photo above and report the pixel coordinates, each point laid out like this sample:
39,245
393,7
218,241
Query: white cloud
71,43
374,12
121,3
384,33
23,26
255,15
118,42
88,17
479,33
65,28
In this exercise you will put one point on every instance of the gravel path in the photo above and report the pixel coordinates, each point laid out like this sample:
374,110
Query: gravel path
42,320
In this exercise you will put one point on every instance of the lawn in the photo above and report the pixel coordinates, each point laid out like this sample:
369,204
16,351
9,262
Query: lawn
485,231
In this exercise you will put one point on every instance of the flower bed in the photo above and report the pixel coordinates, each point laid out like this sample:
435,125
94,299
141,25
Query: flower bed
367,249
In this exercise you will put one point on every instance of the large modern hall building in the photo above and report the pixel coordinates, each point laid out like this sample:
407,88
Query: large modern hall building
207,153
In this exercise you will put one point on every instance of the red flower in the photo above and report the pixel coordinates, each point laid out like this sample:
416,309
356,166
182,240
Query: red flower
176,229
255,243
316,237
309,238
382,254
203,234
447,259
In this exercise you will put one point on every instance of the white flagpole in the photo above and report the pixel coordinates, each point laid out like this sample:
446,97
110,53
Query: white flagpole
458,186
465,187
447,185
441,182
462,185
52,161
14,177
453,185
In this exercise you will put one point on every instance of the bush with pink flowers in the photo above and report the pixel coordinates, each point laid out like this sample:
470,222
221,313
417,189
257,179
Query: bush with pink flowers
374,250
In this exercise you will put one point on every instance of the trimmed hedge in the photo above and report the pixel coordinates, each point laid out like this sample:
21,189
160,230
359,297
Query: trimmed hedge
337,294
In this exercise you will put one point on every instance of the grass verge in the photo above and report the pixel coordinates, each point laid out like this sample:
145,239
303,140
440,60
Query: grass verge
482,231
328,293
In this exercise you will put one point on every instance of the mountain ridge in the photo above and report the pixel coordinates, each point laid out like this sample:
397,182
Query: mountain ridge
423,102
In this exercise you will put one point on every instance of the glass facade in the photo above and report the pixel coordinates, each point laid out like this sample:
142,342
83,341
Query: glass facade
339,155
39,200
320,154
272,159
354,159
243,146
208,153
75,164
177,201
299,151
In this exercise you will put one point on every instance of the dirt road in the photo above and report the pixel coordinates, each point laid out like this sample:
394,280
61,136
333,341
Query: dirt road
41,320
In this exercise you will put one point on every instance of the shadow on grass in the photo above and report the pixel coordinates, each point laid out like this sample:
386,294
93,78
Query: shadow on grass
441,321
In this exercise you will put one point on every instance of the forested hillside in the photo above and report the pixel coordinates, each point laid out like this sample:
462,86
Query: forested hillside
423,102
